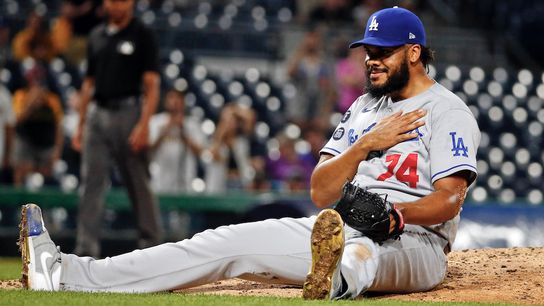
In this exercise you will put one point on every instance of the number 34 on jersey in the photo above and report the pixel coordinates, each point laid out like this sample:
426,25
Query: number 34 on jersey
406,171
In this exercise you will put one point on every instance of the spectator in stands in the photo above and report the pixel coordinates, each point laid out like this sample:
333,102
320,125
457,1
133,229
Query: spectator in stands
362,9
39,52
5,43
176,143
123,81
289,171
332,12
350,77
316,139
36,30
7,62
228,164
312,78
73,25
7,124
38,137
70,122
261,181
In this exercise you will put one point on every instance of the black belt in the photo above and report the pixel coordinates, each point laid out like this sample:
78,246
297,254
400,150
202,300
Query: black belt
118,103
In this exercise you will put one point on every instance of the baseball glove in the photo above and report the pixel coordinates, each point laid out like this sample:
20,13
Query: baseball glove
369,213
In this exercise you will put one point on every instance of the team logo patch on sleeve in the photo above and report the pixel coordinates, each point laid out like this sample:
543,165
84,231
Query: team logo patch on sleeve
346,116
338,134
352,137
458,145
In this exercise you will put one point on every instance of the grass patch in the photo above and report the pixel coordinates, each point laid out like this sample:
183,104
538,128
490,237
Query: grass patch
22,297
10,268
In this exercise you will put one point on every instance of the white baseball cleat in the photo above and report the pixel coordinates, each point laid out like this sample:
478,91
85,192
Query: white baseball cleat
41,258
324,280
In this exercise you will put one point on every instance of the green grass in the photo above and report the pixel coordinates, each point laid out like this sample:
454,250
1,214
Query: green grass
20,297
10,269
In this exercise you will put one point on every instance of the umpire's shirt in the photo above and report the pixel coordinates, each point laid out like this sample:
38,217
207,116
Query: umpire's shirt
117,61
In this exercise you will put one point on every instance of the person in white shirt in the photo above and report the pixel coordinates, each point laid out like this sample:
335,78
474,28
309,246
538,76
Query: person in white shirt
176,142
7,127
228,164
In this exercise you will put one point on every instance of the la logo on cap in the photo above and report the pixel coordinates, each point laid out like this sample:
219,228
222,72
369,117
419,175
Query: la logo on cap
373,24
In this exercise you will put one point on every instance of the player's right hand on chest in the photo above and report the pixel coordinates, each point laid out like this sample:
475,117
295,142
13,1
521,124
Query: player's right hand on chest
393,129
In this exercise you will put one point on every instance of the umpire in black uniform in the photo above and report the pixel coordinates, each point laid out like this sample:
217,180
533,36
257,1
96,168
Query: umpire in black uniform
123,72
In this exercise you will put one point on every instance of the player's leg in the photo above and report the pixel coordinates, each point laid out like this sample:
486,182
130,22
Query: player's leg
358,266
343,262
414,263
95,170
270,251
134,169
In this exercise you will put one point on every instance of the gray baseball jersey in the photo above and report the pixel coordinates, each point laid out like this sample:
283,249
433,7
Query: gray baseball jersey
278,250
446,144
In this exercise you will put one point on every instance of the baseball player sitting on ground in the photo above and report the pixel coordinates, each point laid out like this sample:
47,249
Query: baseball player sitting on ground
398,167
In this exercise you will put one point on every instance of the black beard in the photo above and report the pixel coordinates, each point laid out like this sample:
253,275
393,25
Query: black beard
396,82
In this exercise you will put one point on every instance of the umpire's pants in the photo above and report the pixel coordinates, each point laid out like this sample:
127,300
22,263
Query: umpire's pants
105,140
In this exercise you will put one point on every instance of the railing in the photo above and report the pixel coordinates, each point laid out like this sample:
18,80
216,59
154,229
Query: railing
117,199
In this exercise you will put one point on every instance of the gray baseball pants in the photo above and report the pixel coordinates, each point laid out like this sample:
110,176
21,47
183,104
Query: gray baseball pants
274,251
105,142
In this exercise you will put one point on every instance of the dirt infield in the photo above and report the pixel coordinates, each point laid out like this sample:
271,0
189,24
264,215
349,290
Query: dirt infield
513,275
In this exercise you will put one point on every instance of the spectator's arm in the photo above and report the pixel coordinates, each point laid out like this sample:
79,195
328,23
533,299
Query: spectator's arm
248,117
19,46
25,102
61,34
195,147
156,143
56,106
292,66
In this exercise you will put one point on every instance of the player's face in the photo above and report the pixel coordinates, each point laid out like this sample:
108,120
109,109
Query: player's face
387,70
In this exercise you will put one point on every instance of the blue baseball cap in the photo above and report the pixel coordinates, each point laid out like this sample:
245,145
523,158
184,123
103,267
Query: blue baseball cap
392,27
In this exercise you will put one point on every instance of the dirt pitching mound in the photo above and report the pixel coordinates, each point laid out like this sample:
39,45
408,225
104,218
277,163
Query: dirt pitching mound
513,275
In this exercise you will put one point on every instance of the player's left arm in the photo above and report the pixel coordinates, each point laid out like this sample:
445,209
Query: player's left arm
453,148
441,205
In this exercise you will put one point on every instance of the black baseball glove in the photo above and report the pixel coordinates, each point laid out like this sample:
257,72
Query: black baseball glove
369,213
